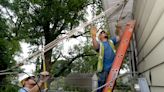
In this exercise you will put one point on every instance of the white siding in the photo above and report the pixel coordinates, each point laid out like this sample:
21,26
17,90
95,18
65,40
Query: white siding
146,15
156,56
158,76
149,33
154,17
157,89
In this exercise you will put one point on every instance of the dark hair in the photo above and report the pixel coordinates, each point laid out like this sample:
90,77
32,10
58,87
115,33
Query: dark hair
102,32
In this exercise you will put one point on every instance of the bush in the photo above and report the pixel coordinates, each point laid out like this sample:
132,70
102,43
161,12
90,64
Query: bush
9,88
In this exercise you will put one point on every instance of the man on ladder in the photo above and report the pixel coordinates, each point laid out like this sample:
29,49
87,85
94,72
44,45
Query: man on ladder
106,49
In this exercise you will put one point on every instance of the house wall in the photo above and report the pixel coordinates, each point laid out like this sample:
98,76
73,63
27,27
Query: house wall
149,33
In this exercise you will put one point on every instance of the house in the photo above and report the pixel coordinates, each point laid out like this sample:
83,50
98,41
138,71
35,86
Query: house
86,81
149,33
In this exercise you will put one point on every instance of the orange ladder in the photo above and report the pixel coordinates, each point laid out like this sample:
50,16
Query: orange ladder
125,40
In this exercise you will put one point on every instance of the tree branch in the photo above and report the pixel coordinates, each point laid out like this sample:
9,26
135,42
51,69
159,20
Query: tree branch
11,17
57,58
55,24
58,32
71,61
75,36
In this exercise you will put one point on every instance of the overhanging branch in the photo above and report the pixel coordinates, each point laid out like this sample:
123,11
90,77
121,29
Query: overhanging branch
71,61
75,36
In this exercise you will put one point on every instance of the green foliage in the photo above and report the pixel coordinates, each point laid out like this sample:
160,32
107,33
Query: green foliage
88,63
9,88
9,46
81,59
45,20
122,87
9,84
37,18
58,65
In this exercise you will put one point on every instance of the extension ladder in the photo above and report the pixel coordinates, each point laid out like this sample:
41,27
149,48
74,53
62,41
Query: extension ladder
119,56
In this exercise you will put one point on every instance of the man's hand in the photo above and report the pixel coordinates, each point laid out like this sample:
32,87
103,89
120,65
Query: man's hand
93,31
44,76
44,73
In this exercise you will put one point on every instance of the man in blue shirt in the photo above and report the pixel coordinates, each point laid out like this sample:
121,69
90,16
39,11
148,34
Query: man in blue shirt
28,83
108,52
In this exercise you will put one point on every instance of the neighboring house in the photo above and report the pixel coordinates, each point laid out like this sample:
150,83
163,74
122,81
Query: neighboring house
149,32
82,80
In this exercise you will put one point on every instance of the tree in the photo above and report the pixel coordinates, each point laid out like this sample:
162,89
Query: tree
83,60
39,22
9,47
45,20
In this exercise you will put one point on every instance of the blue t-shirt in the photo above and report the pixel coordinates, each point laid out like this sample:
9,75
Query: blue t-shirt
108,54
23,90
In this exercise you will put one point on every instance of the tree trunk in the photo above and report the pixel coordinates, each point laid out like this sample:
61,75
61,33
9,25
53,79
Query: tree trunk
47,56
48,38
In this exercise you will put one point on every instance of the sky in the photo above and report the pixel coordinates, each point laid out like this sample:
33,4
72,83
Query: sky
29,68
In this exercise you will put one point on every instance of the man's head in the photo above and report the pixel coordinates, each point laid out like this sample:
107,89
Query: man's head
28,80
101,34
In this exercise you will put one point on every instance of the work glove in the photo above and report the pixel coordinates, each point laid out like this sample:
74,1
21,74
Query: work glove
93,31
44,76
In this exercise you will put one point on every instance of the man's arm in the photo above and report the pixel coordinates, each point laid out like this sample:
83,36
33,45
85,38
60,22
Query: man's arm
93,35
37,87
44,78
